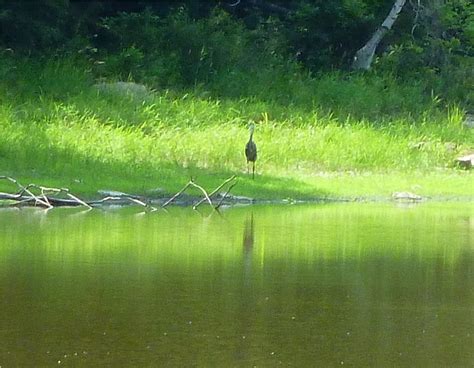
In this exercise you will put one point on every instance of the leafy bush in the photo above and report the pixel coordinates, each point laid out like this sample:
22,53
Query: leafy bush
29,25
439,52
178,51
250,55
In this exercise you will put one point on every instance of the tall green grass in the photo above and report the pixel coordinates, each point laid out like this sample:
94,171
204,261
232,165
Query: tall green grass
54,124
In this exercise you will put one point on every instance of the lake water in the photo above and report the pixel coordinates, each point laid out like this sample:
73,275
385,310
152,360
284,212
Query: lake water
361,285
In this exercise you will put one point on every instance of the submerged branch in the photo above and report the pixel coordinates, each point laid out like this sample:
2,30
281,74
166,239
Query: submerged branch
131,199
25,195
225,195
216,190
203,191
48,197
176,195
25,190
207,197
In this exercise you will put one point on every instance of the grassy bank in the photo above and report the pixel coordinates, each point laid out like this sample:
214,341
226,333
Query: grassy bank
56,129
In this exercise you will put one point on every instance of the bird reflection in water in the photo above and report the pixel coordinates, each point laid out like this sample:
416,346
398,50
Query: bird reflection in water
249,236
247,298
248,244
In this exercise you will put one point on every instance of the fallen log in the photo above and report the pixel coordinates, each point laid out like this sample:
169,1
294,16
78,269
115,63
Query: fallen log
33,200
50,197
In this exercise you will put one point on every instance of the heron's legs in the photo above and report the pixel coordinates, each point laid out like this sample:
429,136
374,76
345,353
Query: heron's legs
253,170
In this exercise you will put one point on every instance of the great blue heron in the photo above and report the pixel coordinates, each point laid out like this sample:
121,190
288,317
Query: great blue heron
251,151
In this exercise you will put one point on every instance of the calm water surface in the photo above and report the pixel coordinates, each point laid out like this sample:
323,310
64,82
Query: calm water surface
359,285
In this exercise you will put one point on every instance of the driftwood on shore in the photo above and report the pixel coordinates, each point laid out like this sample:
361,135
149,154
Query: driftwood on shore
47,197
466,161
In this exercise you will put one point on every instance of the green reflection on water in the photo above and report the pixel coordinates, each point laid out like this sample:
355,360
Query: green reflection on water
363,285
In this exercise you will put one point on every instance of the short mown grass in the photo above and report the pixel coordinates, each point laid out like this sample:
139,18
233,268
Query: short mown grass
58,130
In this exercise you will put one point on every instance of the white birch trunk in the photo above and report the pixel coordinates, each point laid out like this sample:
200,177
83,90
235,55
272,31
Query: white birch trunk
364,56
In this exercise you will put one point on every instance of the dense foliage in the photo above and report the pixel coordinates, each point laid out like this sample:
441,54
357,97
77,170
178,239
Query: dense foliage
249,47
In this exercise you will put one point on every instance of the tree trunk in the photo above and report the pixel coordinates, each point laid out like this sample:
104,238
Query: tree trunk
364,56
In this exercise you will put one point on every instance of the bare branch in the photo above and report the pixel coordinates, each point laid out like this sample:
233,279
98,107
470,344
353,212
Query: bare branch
25,190
77,199
175,196
215,190
225,195
26,196
203,191
134,200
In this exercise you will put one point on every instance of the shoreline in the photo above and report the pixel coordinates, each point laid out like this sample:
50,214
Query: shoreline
231,201
411,187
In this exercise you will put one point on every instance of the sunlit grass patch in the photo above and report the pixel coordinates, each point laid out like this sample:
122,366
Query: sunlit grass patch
90,140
